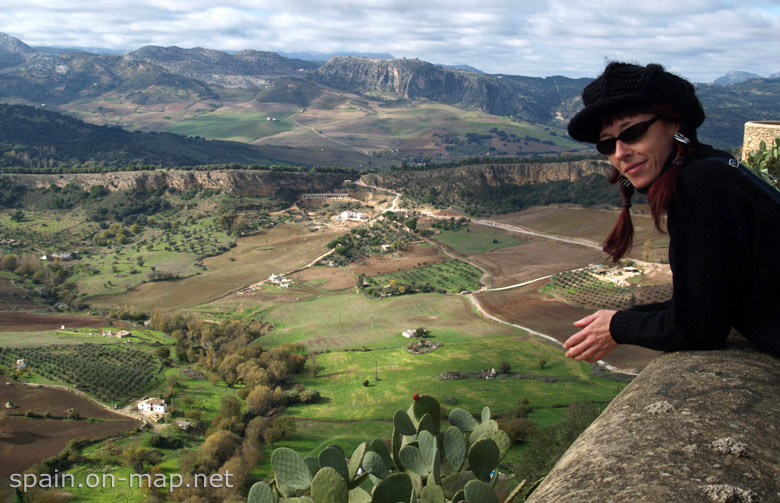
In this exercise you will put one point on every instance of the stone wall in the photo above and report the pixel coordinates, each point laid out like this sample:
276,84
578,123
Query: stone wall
694,426
756,132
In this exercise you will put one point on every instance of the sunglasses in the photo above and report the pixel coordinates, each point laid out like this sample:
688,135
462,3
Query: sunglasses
628,135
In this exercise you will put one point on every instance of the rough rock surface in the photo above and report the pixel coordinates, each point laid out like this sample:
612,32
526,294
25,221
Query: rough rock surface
694,426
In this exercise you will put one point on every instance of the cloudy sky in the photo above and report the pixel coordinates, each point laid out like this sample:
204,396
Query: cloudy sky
700,39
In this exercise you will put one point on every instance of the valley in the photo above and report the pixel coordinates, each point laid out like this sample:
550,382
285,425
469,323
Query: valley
204,256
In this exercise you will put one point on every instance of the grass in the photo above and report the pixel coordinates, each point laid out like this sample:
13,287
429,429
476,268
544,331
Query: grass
351,413
478,239
452,276
231,124
347,321
37,338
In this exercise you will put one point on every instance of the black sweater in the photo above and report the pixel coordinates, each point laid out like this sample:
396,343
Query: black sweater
724,252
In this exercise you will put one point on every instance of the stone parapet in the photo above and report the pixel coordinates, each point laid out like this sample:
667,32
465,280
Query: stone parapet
756,132
694,426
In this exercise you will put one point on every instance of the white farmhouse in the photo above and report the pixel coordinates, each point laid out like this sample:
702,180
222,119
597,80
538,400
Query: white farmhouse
410,334
353,216
153,405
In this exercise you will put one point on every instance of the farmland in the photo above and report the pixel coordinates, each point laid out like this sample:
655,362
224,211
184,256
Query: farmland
213,282
44,432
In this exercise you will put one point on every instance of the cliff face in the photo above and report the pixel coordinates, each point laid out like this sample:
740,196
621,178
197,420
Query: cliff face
236,182
415,79
449,181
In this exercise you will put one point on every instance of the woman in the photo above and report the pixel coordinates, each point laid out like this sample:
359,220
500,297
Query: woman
724,232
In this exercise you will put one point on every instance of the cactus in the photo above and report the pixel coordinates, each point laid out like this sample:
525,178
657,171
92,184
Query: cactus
335,459
462,419
455,446
481,429
426,404
432,494
479,492
312,464
413,459
403,423
373,464
396,487
501,439
260,492
380,448
427,423
765,162
329,486
290,469
515,492
410,469
356,460
483,458
485,414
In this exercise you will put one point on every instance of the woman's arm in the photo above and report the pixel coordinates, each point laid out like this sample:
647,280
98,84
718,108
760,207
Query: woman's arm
594,341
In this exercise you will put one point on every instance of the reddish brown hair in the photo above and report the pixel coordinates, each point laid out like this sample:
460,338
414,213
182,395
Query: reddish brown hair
660,192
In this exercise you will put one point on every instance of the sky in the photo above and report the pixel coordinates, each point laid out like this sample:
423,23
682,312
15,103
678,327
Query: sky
698,39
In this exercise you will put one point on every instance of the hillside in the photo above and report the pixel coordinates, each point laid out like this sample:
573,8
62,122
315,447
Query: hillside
344,111
38,140
415,79
244,69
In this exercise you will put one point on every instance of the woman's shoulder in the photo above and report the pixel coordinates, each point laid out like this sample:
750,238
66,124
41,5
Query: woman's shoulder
710,171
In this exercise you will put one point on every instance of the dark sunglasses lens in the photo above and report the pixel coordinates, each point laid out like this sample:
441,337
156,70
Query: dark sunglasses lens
606,147
629,135
633,133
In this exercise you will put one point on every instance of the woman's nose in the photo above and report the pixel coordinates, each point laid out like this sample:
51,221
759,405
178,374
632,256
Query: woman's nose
622,149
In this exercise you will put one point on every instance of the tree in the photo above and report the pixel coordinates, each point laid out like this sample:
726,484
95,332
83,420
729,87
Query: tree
218,448
259,400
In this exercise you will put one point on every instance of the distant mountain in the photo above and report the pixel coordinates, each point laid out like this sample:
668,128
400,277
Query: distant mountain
414,79
12,51
153,75
242,69
325,56
775,75
467,68
735,77
42,140
12,45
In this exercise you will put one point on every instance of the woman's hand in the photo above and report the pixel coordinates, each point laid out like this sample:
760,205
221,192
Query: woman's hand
594,341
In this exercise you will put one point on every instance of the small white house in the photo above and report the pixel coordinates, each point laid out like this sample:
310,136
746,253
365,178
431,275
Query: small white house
410,334
153,405
20,364
353,215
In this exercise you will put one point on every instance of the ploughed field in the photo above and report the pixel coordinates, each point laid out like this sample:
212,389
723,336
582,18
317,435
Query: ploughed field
28,438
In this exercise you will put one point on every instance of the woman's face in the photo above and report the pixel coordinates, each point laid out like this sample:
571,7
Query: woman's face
640,159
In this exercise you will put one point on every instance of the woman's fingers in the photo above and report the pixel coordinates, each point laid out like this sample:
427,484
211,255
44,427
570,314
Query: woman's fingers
594,341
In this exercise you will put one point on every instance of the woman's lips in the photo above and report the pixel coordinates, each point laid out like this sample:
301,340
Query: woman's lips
633,168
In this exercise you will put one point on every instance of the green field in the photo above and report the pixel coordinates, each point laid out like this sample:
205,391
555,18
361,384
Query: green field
229,124
351,412
476,239
347,321
452,276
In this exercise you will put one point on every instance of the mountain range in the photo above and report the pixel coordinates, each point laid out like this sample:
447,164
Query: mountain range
174,89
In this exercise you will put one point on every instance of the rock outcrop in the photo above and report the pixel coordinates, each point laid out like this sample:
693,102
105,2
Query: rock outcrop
694,426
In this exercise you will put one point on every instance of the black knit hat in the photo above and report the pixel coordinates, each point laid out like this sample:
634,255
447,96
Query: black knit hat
625,85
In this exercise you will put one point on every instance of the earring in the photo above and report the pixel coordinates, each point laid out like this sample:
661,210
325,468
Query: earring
681,138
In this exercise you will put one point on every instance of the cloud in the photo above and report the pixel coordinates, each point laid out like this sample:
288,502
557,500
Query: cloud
700,39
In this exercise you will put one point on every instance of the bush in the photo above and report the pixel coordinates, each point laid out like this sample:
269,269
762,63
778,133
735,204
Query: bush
519,429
